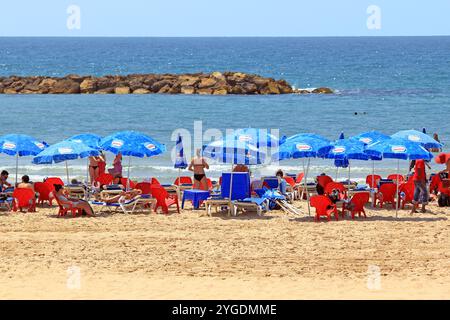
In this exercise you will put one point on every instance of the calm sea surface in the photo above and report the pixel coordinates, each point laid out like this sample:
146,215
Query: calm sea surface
392,83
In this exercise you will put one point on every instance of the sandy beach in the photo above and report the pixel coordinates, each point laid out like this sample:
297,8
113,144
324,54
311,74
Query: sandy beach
190,256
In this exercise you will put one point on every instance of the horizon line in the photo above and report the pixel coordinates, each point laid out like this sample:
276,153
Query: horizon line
263,36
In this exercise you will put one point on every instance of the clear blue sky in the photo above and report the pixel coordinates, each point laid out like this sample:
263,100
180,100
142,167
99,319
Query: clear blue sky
224,18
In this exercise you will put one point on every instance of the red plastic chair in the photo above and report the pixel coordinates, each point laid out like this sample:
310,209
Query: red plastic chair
155,181
104,179
324,207
386,194
24,198
331,186
299,178
183,180
408,189
52,181
164,199
70,208
290,181
358,201
124,182
209,185
324,180
372,180
396,177
45,193
145,187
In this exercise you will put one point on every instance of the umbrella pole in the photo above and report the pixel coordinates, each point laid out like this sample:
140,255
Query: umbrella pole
17,166
307,193
397,202
348,185
231,189
337,173
373,174
128,175
87,173
67,173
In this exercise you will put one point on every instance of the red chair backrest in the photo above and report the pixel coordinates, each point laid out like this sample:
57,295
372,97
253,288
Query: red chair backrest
331,186
183,180
290,180
372,180
408,189
395,177
159,193
220,181
209,185
124,182
388,191
360,200
300,177
23,196
43,189
145,187
104,179
324,180
321,203
155,181
52,181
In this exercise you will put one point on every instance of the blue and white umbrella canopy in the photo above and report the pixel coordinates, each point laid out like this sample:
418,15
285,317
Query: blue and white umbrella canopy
417,137
258,137
400,149
180,158
303,146
347,149
132,143
21,145
371,137
233,151
89,139
64,151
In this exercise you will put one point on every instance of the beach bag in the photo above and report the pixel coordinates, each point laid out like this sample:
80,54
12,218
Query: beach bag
443,200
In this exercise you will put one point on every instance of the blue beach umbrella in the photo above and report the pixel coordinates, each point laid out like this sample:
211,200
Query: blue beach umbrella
89,139
419,138
345,150
301,146
20,145
368,138
64,151
400,149
234,150
371,137
258,137
132,144
180,160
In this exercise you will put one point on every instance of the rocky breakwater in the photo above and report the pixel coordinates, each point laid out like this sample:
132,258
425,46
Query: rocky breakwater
215,83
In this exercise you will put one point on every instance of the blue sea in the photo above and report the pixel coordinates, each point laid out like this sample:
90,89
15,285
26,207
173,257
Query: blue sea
392,83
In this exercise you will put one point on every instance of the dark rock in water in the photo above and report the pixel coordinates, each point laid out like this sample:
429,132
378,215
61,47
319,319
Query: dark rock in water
215,83
322,90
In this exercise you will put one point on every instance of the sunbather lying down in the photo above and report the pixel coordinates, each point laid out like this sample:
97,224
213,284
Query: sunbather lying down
122,197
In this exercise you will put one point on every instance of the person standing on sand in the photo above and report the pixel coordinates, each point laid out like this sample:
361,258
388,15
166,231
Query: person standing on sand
198,166
420,186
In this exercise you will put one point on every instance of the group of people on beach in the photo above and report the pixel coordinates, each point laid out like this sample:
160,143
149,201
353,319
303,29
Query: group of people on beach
97,166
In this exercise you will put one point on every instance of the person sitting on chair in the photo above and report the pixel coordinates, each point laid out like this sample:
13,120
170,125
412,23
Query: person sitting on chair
72,202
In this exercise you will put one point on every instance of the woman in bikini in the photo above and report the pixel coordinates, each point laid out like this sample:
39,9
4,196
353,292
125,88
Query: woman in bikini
198,166
67,202
93,168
